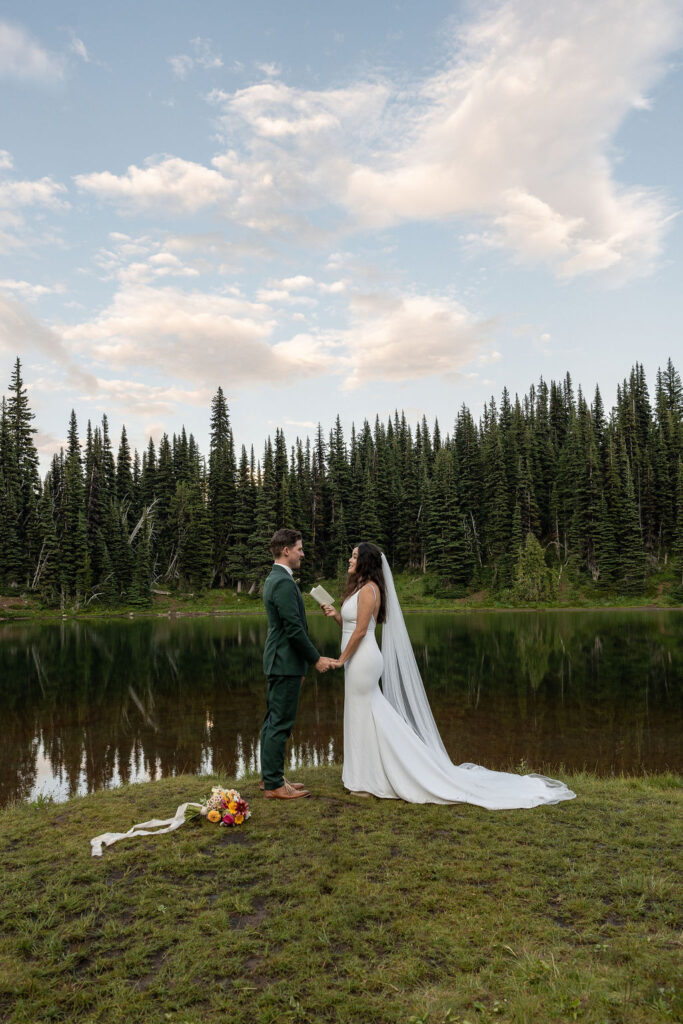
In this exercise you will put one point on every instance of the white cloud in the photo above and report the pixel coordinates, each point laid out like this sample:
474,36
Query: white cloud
16,198
23,57
277,111
270,69
79,48
193,337
139,398
181,65
6,162
45,192
298,283
400,338
171,182
205,57
30,291
516,132
21,332
306,424
272,295
287,290
47,443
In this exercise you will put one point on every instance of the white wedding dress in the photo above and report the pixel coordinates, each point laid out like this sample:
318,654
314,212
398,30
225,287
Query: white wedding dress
386,755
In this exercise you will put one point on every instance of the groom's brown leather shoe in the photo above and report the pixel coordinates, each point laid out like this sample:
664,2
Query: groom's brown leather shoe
285,793
293,785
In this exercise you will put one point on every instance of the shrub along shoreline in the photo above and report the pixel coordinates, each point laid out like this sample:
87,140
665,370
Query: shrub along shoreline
346,910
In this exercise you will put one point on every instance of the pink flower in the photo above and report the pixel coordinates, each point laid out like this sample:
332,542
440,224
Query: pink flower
228,819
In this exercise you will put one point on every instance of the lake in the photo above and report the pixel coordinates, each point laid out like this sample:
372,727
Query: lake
86,706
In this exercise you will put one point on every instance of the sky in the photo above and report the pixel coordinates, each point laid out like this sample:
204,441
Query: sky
333,209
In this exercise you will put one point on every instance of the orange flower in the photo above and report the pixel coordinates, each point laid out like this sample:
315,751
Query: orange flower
239,818
214,816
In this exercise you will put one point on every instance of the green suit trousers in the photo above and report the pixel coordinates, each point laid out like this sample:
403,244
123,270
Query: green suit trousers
282,701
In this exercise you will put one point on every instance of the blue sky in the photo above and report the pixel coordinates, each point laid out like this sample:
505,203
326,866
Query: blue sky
333,209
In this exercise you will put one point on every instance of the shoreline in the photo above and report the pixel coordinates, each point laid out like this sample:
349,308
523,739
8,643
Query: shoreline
48,616
667,776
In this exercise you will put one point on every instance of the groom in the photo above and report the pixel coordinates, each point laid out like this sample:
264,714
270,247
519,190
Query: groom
286,656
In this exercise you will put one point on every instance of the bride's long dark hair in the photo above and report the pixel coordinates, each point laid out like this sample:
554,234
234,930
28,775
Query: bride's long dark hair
368,570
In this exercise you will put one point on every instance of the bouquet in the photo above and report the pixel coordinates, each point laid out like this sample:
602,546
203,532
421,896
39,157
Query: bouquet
225,807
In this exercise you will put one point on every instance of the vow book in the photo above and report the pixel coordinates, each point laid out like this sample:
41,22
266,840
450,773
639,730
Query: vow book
321,595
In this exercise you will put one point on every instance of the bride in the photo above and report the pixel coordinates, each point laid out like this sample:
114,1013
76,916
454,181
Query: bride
392,747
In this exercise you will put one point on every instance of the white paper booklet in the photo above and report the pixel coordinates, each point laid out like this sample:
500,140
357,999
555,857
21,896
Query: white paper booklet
321,595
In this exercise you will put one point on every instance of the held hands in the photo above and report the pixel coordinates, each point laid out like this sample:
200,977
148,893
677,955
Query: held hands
323,664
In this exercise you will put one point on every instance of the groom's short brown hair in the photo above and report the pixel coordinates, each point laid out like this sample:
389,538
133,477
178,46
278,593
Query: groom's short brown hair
282,539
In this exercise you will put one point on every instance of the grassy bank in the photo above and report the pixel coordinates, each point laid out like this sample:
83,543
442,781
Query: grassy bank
413,590
344,909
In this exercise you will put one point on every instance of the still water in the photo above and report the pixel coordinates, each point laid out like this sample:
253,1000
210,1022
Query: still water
85,707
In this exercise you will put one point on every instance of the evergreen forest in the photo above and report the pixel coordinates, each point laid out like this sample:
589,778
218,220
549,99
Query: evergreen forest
543,490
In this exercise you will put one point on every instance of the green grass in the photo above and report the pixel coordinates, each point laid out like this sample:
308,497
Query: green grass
412,589
343,909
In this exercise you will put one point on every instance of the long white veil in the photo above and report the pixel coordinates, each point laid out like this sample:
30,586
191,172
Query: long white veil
401,680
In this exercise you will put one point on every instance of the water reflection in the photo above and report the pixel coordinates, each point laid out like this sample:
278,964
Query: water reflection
90,706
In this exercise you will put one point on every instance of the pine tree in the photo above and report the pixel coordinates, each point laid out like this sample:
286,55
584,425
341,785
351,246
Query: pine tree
469,472
47,578
587,487
632,567
109,589
678,536
195,548
108,464
319,490
495,497
181,457
96,500
73,542
11,553
264,521
533,580
221,487
516,535
238,554
448,554
544,459
141,586
606,553
370,526
148,475
165,489
124,471
339,546
26,477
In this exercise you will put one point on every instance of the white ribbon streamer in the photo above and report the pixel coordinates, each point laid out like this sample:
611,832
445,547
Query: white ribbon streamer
143,829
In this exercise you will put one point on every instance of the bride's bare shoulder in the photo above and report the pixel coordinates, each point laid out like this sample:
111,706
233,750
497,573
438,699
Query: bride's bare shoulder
370,592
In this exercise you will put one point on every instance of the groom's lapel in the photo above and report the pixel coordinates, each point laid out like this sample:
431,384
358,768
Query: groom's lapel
300,601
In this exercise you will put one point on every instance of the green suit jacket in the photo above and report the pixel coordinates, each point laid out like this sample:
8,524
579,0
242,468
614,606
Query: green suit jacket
288,650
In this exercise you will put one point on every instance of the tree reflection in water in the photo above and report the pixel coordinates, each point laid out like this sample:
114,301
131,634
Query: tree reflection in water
90,706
